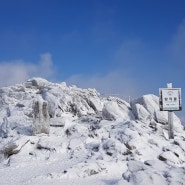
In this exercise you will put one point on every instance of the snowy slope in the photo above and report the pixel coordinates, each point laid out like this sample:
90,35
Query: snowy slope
92,140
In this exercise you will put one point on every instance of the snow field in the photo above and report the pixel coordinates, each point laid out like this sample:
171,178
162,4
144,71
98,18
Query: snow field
91,140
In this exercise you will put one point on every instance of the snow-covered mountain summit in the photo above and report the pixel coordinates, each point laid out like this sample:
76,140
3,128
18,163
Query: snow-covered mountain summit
89,139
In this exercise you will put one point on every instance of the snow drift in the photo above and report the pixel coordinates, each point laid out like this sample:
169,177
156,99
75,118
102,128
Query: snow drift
79,137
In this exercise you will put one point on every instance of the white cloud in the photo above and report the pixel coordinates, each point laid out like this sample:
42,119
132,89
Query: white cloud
45,66
125,78
18,71
114,82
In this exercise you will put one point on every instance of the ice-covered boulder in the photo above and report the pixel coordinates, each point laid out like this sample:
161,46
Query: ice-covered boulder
117,109
144,105
172,154
140,112
36,82
79,102
85,102
140,174
147,108
48,143
54,106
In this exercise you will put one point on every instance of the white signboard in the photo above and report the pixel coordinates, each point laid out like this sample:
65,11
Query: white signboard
170,99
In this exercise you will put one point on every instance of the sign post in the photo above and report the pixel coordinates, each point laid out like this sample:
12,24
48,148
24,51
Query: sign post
170,100
170,125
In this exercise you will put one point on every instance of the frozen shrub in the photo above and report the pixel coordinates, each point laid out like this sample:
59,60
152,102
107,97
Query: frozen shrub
110,147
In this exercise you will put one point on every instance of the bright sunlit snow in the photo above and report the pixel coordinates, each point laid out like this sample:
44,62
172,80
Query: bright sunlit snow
91,140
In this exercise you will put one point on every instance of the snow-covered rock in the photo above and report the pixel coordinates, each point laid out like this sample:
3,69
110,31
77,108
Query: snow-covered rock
115,109
149,102
91,140
140,112
147,108
36,82
140,174
48,143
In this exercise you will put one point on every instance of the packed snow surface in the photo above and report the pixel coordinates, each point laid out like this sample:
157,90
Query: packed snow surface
91,140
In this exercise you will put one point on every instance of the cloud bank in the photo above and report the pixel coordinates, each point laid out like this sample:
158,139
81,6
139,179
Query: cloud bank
135,67
126,78
113,83
18,71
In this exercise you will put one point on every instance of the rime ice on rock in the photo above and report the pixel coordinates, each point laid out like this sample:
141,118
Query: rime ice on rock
36,82
147,108
92,140
4,128
116,109
41,122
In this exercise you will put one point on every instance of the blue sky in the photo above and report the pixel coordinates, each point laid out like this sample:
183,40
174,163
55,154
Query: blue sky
127,47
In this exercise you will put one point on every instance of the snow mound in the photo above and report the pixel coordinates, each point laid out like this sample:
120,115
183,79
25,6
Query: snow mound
87,139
